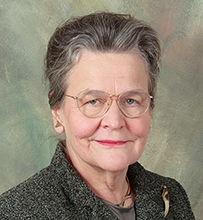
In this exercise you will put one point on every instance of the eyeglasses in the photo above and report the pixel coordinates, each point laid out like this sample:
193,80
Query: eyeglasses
95,103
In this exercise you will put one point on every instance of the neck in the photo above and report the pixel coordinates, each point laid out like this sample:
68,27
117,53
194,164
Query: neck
110,186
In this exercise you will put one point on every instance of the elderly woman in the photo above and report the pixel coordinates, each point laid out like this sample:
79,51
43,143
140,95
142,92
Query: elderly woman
102,70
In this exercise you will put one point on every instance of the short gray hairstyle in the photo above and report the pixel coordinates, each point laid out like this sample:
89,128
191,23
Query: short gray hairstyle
98,32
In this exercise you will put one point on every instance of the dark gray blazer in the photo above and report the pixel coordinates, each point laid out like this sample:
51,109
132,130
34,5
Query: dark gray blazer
58,192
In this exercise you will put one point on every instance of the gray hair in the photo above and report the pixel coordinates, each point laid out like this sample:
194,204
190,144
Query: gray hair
98,32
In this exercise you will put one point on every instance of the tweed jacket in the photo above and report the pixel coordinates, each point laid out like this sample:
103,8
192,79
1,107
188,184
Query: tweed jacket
58,192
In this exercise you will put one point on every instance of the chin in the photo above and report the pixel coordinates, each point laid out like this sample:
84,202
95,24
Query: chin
114,165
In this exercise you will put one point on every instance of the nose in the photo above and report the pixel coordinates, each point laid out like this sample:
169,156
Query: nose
114,118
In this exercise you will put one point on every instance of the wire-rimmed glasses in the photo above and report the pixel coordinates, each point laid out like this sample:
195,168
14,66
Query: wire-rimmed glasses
95,103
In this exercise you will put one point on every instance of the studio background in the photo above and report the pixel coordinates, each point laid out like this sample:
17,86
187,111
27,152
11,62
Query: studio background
27,137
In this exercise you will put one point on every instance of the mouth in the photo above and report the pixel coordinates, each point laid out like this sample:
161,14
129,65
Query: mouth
111,143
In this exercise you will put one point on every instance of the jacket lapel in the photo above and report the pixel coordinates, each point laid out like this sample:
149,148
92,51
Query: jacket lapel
148,199
148,205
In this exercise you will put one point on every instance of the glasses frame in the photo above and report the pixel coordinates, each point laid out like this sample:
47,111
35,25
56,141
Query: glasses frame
116,98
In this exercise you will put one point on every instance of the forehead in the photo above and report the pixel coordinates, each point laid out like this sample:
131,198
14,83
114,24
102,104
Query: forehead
111,72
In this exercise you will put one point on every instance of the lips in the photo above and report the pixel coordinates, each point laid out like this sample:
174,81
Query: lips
111,143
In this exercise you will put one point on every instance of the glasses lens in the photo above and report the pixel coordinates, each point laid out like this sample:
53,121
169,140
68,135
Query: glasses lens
93,104
134,103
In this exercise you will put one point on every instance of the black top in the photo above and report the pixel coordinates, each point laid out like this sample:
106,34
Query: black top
58,192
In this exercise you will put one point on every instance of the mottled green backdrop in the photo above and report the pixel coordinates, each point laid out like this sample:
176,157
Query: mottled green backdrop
27,137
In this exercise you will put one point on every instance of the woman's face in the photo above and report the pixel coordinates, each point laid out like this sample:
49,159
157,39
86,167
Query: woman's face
113,141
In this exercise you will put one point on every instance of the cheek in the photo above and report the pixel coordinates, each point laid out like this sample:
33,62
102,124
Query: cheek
80,126
140,127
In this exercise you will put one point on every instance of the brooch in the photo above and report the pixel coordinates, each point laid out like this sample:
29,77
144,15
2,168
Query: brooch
165,197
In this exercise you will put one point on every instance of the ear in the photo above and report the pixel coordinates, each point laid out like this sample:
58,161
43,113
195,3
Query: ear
58,124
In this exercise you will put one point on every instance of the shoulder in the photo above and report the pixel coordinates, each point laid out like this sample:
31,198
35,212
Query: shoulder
151,186
154,180
38,195
26,195
30,185
151,179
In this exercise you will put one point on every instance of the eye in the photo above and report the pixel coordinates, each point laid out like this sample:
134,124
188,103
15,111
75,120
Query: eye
93,102
131,102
